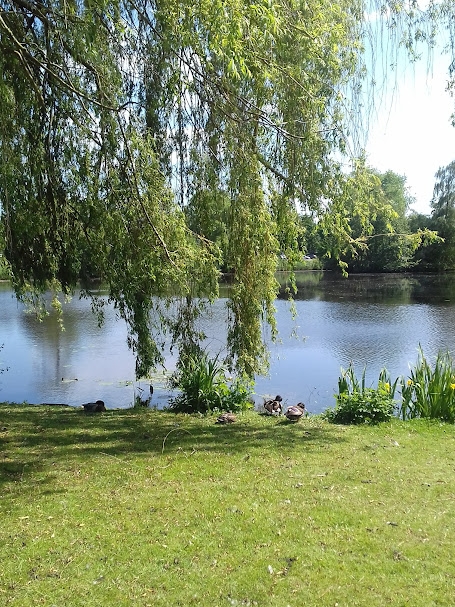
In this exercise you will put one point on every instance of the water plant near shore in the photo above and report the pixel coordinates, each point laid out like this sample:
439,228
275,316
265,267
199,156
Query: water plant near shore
358,404
429,392
203,387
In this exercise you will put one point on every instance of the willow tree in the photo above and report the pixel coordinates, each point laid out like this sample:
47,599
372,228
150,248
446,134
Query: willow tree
119,120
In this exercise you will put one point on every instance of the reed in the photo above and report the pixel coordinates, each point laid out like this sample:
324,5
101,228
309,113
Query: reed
203,387
429,391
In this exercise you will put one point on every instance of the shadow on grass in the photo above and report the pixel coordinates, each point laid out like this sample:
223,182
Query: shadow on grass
32,437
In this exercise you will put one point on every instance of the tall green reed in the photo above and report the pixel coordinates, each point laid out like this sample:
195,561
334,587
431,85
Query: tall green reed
429,392
203,387
348,382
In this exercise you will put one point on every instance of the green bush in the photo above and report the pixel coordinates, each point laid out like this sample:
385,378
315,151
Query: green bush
356,404
428,392
371,406
203,387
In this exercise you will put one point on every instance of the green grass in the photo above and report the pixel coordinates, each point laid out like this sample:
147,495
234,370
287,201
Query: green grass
142,508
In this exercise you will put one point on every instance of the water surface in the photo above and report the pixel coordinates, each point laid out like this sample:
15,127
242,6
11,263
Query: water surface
372,320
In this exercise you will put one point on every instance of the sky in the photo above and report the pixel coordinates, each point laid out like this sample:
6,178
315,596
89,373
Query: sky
411,133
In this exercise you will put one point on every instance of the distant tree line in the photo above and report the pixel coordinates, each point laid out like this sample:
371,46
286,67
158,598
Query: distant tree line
399,239
383,233
440,255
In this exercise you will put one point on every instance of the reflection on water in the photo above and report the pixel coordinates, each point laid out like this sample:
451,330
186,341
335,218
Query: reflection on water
373,320
383,288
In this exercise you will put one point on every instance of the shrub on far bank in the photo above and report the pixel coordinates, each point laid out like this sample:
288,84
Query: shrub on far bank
5,273
301,265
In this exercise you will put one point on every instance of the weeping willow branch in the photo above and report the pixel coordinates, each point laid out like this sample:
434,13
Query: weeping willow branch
139,196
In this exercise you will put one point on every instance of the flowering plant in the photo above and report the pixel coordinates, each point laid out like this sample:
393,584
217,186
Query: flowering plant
357,404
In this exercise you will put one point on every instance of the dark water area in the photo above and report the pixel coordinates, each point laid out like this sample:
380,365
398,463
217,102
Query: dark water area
370,320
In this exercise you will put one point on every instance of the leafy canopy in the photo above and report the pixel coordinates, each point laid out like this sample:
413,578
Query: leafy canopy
125,125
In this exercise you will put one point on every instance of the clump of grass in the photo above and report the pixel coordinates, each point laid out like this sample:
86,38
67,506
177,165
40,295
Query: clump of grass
204,387
429,392
358,404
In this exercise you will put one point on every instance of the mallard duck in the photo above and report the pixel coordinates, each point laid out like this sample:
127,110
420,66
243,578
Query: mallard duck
96,407
295,412
273,406
226,418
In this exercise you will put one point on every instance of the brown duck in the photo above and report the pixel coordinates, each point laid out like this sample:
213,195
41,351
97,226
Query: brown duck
273,406
295,412
226,418
96,407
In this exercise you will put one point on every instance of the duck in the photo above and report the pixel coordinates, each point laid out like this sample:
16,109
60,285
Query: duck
95,407
295,412
226,418
273,406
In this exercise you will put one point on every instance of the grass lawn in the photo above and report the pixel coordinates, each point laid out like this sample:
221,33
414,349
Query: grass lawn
138,507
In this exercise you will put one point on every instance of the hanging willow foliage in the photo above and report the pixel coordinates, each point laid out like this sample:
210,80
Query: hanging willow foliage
151,142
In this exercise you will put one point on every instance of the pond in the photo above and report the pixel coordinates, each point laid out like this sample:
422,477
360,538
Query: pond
373,321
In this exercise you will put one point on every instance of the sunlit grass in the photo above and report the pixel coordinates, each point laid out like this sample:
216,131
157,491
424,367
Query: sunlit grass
151,508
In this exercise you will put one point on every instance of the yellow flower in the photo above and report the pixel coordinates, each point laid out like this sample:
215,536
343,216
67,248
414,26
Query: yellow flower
409,382
452,386
387,387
